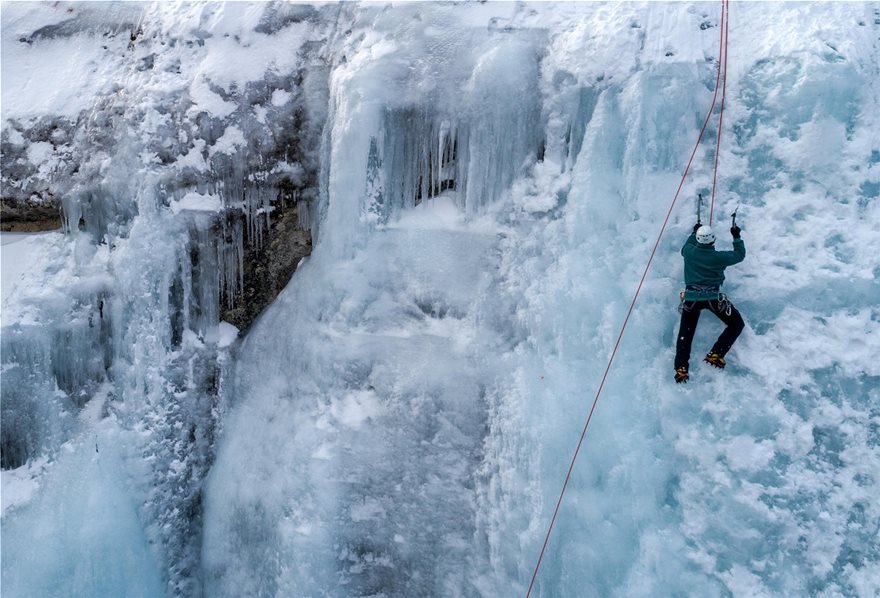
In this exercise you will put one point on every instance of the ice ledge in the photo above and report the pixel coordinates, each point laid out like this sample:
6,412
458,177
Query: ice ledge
196,202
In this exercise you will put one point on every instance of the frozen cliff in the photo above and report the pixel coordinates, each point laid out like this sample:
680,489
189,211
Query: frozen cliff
480,186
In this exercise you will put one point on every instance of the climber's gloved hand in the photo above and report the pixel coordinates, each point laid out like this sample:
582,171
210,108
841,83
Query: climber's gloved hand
696,226
735,230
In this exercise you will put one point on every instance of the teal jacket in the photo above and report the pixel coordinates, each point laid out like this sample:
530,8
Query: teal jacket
704,267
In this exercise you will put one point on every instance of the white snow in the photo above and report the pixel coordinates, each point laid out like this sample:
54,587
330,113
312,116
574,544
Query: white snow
197,202
281,97
227,143
355,408
440,213
194,158
743,452
16,258
23,257
230,63
20,485
15,137
57,78
206,100
39,152
226,334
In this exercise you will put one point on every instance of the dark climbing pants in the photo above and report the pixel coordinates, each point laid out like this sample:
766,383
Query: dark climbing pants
690,315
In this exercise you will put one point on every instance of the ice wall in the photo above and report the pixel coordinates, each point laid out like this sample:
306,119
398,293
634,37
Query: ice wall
484,182
374,393
714,489
704,490
82,536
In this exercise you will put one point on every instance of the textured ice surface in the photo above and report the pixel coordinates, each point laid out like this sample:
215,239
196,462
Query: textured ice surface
754,481
493,179
371,400
81,535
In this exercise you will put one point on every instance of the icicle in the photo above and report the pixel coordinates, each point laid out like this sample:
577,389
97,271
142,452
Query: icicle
72,211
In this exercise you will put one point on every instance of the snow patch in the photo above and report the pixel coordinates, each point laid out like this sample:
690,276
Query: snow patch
206,100
227,334
15,138
355,408
197,202
21,485
744,453
435,214
231,139
281,97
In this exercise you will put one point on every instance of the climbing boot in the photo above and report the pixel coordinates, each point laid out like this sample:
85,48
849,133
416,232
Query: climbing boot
681,376
713,358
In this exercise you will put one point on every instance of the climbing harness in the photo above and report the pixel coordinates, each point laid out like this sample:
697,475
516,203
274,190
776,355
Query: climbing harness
722,304
702,288
722,59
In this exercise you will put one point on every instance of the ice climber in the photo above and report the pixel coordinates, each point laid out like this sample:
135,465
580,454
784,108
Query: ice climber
703,275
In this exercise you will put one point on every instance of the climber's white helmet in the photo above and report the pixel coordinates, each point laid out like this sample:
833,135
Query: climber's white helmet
705,235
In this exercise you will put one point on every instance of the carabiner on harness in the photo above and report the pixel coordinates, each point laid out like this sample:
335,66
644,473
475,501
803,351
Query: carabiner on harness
724,304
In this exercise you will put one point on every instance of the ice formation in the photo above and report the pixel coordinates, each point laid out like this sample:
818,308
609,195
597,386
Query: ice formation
483,182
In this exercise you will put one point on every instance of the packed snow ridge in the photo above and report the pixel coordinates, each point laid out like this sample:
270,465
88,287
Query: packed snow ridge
480,186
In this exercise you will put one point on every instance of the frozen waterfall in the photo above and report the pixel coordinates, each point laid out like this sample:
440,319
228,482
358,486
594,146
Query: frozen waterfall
480,185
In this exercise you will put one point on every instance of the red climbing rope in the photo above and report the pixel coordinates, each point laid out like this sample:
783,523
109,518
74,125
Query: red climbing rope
722,54
725,23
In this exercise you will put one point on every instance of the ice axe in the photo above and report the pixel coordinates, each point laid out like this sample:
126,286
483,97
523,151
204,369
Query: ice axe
699,207
733,216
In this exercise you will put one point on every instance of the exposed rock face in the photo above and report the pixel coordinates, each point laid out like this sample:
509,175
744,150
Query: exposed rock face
28,217
33,156
268,269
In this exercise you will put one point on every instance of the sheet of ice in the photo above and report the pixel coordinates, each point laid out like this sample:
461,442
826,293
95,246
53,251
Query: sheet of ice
84,509
373,406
